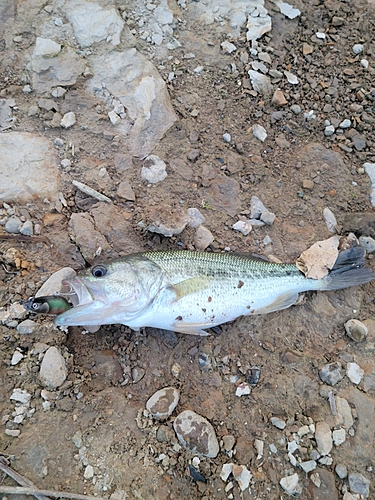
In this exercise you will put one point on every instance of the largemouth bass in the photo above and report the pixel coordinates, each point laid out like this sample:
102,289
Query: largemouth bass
189,292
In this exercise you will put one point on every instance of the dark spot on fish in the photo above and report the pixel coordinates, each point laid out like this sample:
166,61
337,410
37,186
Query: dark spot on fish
240,284
209,299
179,318
204,309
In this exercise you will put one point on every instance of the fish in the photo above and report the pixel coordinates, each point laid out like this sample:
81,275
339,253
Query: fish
190,292
49,304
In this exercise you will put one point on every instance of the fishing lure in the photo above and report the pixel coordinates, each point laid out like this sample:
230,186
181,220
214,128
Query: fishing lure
50,304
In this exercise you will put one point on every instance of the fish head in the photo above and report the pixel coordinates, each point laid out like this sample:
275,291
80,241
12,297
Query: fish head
112,292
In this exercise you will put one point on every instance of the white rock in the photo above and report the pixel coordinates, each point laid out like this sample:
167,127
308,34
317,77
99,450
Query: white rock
242,476
258,26
243,389
53,284
356,330
308,466
345,123
243,226
291,485
292,79
154,170
89,472
26,327
364,63
320,35
323,437
133,79
44,47
226,470
277,422
16,358
53,371
354,373
339,436
227,137
228,47
330,220
28,165
329,130
357,48
344,414
370,171
259,132
259,66
256,207
93,23
196,434
267,217
20,396
287,9
259,446
12,432
162,403
367,243
260,83
114,117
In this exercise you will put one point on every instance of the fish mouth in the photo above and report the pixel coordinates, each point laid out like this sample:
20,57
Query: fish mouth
78,292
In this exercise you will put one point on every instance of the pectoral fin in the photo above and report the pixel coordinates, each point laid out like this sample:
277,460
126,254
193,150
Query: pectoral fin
191,285
191,328
282,302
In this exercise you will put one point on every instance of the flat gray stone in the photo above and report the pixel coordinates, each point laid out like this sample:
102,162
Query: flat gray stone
323,436
196,434
359,484
28,168
53,371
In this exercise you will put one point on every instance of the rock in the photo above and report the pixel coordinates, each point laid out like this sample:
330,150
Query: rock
226,471
162,403
256,207
16,358
259,132
329,130
243,226
126,191
44,47
344,413
13,225
370,171
338,436
286,9
228,47
114,118
154,170
12,432
244,452
292,79
290,484
196,434
195,218
357,48
27,228
267,217
167,222
331,373
21,396
93,24
106,366
359,140
180,166
367,243
359,484
356,330
53,284
68,120
330,220
88,239
28,168
227,137
89,472
224,194
365,63
278,422
354,373
261,83
53,371
341,470
307,466
307,49
296,109
323,437
345,124
135,82
202,238
242,475
228,442
258,25
323,488
26,327
278,98
243,389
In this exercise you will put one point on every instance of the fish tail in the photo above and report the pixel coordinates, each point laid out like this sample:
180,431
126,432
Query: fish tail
348,270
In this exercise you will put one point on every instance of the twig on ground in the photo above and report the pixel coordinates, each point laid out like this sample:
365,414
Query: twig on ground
19,490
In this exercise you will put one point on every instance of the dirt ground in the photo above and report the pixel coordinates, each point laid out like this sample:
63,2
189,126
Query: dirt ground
97,416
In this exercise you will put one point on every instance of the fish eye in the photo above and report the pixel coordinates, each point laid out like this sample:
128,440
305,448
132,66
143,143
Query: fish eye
35,305
99,271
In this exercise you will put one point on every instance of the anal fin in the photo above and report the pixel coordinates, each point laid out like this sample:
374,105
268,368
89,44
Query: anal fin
282,302
191,328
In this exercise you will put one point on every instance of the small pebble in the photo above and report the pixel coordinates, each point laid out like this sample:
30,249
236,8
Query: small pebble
154,169
267,217
12,432
228,47
295,109
21,396
13,225
53,371
345,124
330,220
162,403
196,433
259,132
292,79
203,238
89,472
16,358
364,63
277,422
357,48
354,373
26,327
329,130
308,466
341,470
228,442
331,373
367,243
27,228
243,389
195,218
68,120
338,436
227,137
356,330
243,226
323,437
290,484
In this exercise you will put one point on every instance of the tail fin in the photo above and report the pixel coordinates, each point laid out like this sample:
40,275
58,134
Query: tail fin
348,270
